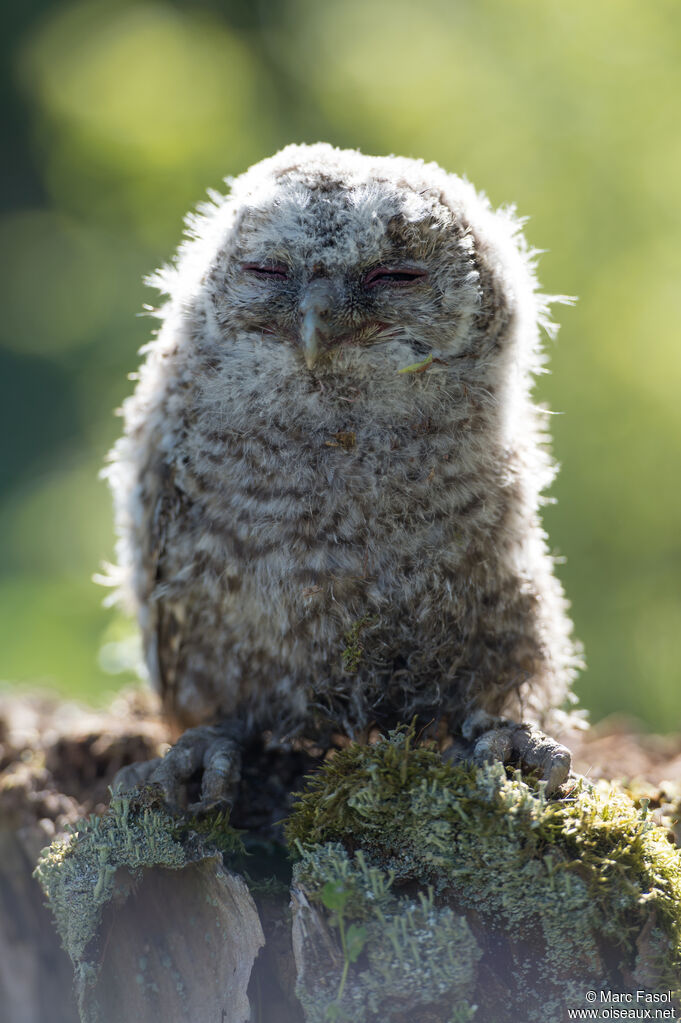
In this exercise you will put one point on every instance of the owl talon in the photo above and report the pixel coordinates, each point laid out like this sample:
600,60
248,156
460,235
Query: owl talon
205,762
221,775
524,745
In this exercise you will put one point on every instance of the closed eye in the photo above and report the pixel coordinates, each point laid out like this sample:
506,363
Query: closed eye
394,275
273,271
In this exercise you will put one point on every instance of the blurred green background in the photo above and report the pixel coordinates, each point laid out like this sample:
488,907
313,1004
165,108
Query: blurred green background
120,115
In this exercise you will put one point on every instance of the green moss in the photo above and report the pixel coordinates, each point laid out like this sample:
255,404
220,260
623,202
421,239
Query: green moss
213,830
583,891
432,879
353,650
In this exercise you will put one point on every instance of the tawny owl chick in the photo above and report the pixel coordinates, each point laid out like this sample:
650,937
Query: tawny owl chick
327,491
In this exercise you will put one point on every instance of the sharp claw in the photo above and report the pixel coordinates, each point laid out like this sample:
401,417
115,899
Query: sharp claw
557,771
222,772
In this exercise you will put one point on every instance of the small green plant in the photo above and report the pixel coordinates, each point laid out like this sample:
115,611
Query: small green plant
400,952
334,896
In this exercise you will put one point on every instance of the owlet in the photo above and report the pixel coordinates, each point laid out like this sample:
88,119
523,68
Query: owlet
327,492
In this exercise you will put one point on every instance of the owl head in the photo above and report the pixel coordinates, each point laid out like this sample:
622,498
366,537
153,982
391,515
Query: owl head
321,261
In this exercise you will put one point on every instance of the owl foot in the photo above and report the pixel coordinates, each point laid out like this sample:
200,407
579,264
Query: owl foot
533,751
200,772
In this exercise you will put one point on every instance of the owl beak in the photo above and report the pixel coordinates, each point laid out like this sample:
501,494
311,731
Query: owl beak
316,305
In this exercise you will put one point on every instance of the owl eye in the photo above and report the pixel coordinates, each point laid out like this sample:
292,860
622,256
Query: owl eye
275,271
393,275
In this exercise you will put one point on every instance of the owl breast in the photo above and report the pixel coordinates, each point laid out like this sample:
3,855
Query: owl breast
328,549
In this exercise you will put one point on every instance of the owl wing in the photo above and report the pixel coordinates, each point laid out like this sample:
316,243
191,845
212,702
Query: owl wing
163,608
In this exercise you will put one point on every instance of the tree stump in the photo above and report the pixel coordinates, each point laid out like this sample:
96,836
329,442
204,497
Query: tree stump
170,918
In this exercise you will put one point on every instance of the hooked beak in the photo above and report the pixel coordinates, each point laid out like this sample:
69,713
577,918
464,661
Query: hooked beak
315,309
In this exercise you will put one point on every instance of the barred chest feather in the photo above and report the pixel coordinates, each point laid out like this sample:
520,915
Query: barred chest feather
332,550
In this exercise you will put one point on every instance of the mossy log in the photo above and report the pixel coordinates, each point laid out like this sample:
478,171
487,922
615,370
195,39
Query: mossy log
419,891
55,764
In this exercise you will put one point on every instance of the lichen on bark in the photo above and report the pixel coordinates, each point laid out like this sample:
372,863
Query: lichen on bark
555,896
421,890
120,885
410,952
